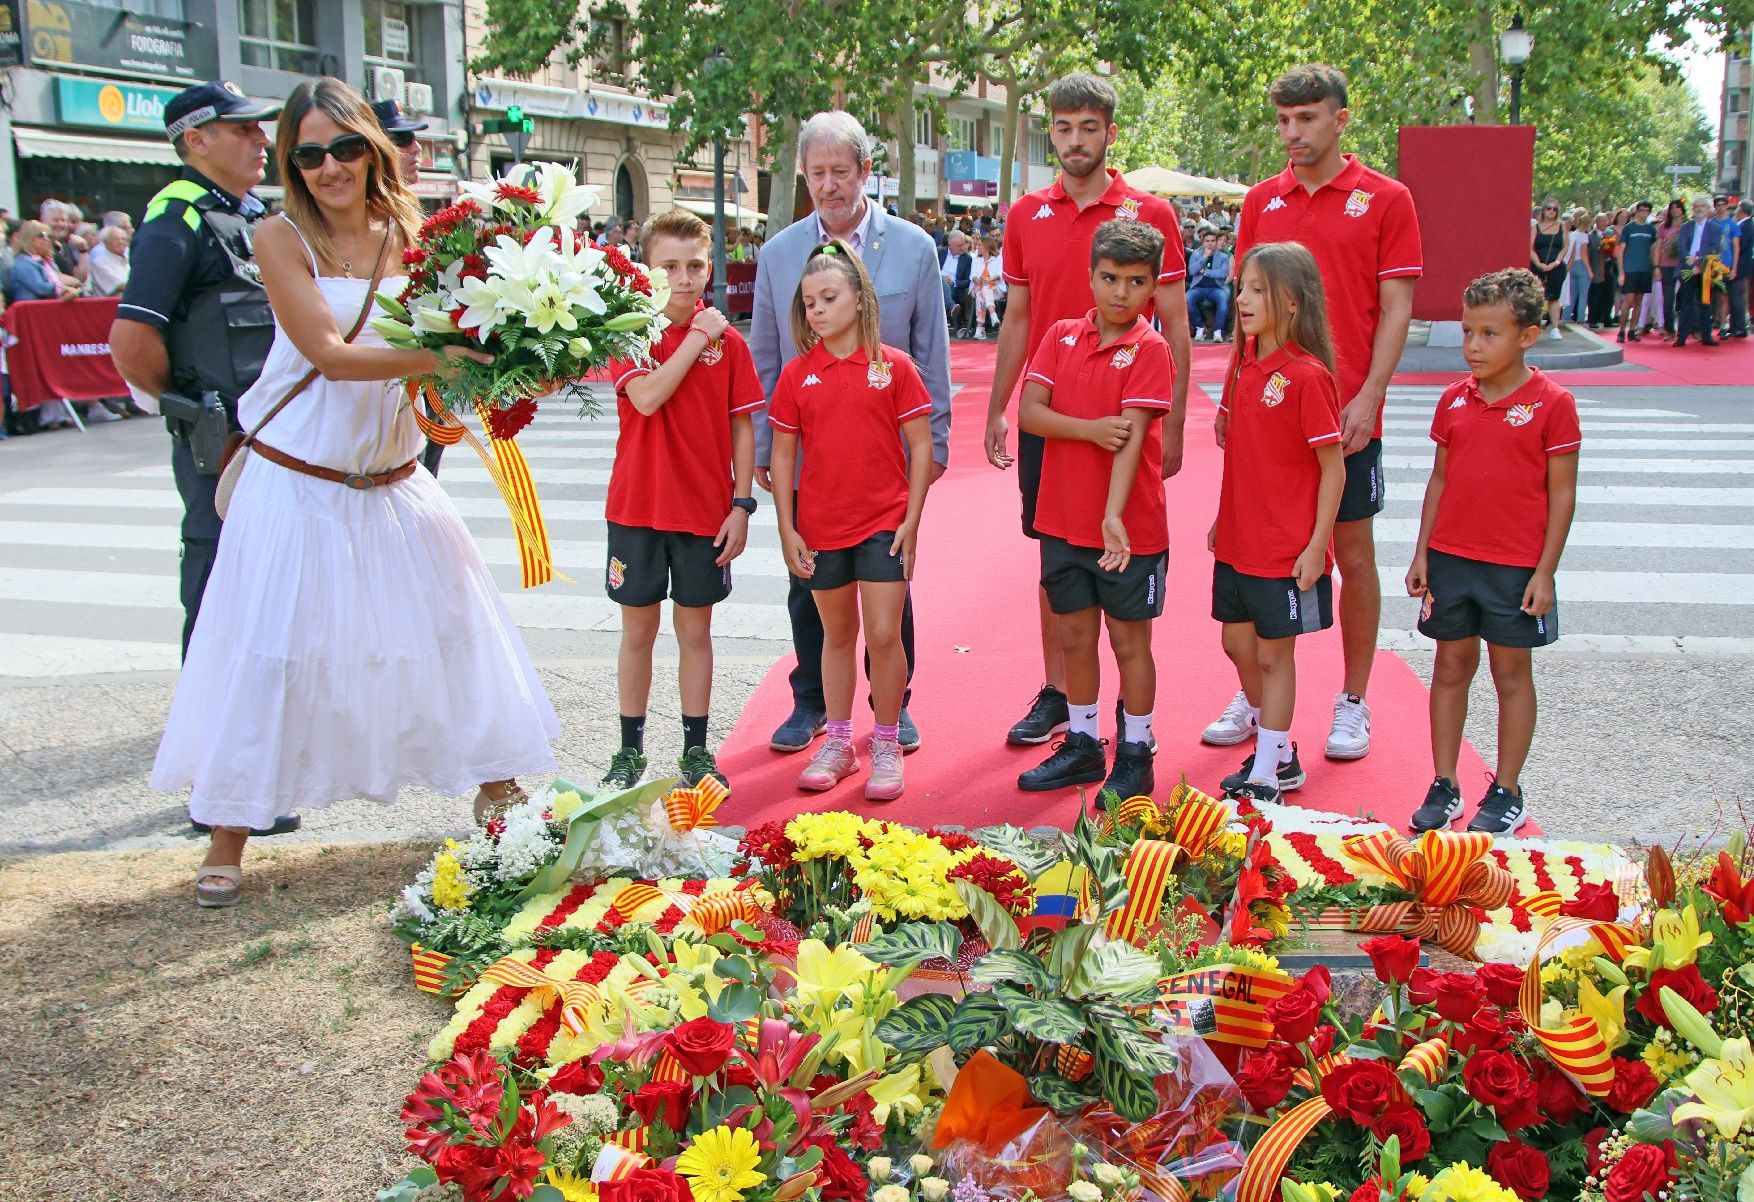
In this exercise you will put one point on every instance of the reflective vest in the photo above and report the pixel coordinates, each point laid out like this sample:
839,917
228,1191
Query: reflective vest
221,338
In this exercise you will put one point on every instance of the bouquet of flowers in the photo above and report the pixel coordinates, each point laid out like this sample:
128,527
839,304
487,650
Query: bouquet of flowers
506,270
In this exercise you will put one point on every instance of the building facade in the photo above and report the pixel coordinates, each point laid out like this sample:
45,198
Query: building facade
957,149
1735,145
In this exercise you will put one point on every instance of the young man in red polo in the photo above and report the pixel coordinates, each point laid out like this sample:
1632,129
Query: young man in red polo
1048,234
1361,227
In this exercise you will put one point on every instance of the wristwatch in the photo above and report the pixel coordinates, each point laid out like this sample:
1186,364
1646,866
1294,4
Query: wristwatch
746,504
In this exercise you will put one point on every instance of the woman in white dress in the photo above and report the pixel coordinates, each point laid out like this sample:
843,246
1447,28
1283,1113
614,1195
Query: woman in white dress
351,640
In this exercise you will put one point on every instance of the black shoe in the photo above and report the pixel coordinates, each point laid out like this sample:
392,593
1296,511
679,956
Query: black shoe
1047,717
1501,812
283,825
1707,340
696,764
1256,791
1077,760
1442,806
1679,341
627,768
1635,337
799,730
1291,774
1121,729
1132,775
1620,337
907,734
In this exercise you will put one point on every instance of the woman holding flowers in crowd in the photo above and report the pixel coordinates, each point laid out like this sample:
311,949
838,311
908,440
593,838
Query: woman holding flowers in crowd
352,641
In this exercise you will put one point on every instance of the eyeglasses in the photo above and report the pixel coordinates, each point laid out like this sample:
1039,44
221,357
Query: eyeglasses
1551,209
403,138
348,148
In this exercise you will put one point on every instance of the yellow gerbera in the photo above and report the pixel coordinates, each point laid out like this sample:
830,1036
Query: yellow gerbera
572,1187
721,1164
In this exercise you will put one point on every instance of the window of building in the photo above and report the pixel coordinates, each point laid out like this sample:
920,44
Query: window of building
390,36
958,132
923,128
1038,147
609,63
279,34
169,9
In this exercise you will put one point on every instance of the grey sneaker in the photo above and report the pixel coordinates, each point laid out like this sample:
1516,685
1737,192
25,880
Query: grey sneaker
627,768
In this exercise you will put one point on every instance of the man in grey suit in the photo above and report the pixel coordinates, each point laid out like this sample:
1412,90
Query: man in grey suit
834,155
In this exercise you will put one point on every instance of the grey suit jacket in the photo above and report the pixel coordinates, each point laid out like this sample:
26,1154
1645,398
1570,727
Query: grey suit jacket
903,264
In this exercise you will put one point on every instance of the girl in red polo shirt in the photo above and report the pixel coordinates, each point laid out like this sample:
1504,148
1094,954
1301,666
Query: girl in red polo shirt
849,532
1279,425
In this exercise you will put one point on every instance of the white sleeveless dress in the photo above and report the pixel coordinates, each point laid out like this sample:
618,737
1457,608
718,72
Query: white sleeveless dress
350,642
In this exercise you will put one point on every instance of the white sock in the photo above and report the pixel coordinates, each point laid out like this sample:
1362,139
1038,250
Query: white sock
1270,746
1136,728
1084,719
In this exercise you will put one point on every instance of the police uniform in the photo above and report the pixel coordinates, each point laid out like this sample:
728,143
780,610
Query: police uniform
195,280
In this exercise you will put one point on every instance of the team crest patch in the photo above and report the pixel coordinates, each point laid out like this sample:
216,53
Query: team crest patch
617,573
1358,204
1128,209
878,375
1124,357
1274,393
715,350
1521,415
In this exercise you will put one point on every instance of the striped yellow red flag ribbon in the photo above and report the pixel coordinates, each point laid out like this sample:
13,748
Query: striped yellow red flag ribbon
695,808
573,996
1222,1002
669,1068
634,898
1446,873
1147,872
1267,1159
1578,1045
429,969
1073,1062
1197,818
633,1141
614,1163
863,928
715,912
1545,904
1137,808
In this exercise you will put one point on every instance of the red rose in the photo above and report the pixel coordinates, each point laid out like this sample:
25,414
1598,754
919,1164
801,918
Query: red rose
1264,1081
1559,1099
1503,982
1592,1149
1593,901
1499,1082
1403,1121
1485,1032
1295,1015
1361,1090
646,1185
1634,1085
665,1102
838,1175
1642,1172
1685,981
1422,986
1394,958
703,1045
1459,996
1522,1170
578,1077
1322,1042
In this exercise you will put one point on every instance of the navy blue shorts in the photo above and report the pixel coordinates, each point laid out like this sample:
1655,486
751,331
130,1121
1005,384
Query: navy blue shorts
1471,598
1274,604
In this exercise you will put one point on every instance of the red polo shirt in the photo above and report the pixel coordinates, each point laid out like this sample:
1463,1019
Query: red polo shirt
1494,503
1281,408
673,469
1088,380
1047,247
855,481
1362,229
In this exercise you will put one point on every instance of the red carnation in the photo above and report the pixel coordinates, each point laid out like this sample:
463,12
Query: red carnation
1370,1191
618,260
1503,983
1361,1090
1593,901
1403,1121
1592,1149
1264,1082
1522,1170
504,424
1642,1172
1685,981
1393,957
1634,1085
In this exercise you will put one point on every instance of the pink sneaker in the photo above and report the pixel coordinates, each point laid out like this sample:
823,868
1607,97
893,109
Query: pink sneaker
835,761
884,783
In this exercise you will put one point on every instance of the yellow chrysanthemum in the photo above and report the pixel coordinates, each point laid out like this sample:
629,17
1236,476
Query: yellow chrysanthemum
721,1164
1465,1183
572,1187
824,836
1665,1059
450,888
565,806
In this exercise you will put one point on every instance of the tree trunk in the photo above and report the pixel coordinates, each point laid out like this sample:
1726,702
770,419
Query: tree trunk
1483,62
782,196
901,110
1013,132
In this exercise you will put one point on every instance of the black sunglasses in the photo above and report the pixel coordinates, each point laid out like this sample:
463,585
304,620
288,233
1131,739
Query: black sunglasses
348,148
403,138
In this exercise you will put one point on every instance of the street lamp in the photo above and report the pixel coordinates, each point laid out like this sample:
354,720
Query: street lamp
718,60
1514,46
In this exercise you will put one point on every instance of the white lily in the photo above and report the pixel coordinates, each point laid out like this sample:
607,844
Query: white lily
527,263
553,309
660,281
433,321
562,197
485,305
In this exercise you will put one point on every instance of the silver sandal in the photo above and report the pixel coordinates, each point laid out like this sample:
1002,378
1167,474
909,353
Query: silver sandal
214,896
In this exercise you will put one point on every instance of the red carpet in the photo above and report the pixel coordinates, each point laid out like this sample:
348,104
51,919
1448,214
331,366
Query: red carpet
980,663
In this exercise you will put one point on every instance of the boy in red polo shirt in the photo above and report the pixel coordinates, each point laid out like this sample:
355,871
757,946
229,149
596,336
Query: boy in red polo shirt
1094,393
1497,511
679,500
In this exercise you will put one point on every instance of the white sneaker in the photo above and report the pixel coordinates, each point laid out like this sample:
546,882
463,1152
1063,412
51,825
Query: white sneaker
1237,723
1555,335
1350,737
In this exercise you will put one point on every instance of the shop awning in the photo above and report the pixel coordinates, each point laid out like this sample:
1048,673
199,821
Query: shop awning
733,212
970,202
49,144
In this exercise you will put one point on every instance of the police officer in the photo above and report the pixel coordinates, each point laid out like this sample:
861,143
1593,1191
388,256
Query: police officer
194,325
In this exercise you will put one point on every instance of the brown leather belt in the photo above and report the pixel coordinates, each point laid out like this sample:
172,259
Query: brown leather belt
359,480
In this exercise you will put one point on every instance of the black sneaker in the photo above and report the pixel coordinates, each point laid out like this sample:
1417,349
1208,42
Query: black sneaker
696,764
1442,805
1501,812
1077,760
1256,791
1047,717
1291,774
1121,729
1132,775
627,768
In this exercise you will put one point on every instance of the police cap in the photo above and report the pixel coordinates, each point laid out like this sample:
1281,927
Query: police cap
219,100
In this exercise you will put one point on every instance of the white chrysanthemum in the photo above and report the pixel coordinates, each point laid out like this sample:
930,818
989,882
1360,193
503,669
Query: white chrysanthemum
412,904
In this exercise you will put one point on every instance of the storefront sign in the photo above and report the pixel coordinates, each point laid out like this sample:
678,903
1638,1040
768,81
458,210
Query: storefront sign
540,100
11,39
972,187
99,105
69,33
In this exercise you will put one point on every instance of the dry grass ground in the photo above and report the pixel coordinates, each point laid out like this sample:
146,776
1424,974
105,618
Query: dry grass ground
152,1051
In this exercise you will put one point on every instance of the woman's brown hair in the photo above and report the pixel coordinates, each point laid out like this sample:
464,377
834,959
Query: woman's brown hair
836,256
1300,306
386,196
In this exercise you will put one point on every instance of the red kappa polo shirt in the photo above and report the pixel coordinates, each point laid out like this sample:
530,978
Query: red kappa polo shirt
1494,503
1047,247
673,468
1281,408
1087,380
1362,229
845,413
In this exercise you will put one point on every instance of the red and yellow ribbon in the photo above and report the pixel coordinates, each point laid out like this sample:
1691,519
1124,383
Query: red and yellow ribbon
1448,876
1222,1002
1147,872
691,809
1577,1045
574,996
429,969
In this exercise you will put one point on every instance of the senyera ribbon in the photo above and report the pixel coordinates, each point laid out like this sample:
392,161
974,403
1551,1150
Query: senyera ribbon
1151,863
1578,1045
1446,873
